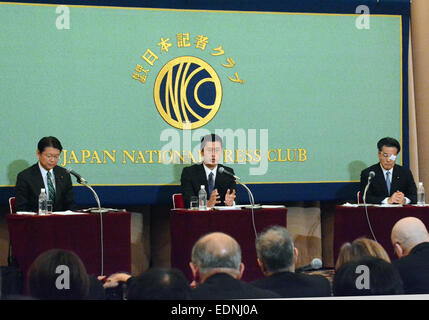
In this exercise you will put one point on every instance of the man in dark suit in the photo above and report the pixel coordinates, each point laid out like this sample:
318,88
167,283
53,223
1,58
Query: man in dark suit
220,187
47,175
276,258
410,240
392,183
217,269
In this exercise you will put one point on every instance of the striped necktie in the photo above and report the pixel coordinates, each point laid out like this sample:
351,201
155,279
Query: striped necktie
51,188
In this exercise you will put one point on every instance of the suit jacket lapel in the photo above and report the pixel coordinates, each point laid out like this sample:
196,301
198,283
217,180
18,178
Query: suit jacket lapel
219,179
59,179
395,179
203,179
382,179
37,175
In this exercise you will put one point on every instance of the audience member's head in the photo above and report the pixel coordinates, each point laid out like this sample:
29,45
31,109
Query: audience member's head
406,234
359,248
216,253
159,284
58,275
367,276
275,250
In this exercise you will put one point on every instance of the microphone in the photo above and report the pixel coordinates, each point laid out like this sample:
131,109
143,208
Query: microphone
315,264
77,175
222,170
371,175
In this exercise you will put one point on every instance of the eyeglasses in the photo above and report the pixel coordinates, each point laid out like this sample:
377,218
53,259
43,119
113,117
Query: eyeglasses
51,157
389,156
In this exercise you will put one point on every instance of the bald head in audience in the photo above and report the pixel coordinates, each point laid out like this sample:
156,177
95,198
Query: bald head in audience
406,234
216,253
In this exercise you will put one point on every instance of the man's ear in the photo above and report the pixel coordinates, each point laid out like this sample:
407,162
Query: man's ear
398,250
295,255
241,271
261,265
195,271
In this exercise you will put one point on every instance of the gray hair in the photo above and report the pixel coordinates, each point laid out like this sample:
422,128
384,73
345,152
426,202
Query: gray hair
274,247
208,255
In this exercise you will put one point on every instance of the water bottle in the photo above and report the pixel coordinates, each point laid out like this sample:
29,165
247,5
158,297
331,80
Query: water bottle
202,198
420,194
43,202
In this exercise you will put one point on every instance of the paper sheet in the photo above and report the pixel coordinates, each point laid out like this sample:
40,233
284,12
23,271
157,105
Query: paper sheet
68,212
27,213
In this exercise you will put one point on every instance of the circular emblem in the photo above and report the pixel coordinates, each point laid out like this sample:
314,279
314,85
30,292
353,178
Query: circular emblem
187,92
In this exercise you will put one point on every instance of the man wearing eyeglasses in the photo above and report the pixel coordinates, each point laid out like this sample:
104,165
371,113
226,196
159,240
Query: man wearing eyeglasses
392,183
45,174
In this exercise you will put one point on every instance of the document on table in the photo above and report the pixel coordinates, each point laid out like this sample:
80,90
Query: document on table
64,213
269,206
386,205
221,208
68,212
355,205
27,213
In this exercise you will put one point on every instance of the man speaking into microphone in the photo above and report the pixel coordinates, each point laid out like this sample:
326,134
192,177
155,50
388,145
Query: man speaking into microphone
392,183
45,174
220,187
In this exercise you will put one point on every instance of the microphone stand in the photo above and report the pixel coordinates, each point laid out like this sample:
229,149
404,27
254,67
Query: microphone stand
365,191
366,210
95,196
252,200
100,212
252,204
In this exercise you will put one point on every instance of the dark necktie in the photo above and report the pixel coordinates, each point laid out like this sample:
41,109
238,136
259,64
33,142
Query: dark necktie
51,188
388,181
211,184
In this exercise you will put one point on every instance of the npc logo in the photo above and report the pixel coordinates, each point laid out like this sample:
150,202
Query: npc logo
187,90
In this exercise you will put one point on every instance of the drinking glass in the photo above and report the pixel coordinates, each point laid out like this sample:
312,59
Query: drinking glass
194,203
